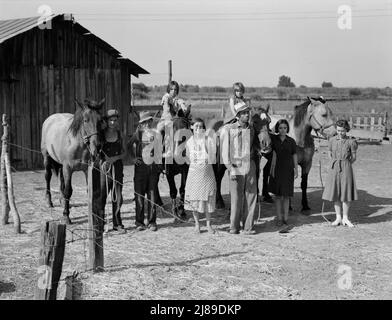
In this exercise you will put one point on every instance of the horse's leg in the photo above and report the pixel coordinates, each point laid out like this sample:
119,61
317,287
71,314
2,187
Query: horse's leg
157,195
48,176
172,186
62,186
219,170
304,186
184,174
257,163
67,172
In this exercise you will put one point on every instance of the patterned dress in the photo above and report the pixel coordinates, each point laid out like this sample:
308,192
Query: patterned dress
340,184
200,189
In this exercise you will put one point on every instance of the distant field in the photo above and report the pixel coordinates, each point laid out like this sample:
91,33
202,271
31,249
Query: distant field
208,109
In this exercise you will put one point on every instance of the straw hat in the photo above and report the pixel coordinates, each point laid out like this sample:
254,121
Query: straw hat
241,106
145,115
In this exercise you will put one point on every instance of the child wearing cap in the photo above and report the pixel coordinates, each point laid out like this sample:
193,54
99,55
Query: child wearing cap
112,155
146,175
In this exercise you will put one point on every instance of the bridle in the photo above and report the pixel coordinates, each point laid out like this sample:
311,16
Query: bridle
321,128
86,138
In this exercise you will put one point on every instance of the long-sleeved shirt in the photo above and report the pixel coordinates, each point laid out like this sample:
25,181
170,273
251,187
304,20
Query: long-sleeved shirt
239,146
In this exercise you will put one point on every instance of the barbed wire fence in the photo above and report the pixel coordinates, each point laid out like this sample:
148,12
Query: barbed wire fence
79,234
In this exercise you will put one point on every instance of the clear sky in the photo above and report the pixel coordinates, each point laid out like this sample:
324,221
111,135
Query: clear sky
216,42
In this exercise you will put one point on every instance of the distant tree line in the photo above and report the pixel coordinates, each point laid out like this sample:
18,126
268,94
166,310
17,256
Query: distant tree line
285,89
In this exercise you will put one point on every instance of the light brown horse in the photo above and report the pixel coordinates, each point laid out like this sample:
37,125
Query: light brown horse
313,114
68,143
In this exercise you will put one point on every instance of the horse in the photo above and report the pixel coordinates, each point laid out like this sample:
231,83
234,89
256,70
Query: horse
313,114
260,121
181,121
68,143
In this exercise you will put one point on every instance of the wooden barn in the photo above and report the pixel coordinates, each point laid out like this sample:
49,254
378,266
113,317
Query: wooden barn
45,66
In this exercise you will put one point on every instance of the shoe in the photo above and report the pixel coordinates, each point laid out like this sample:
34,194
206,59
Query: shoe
285,222
234,231
336,223
279,223
152,227
249,232
140,228
347,223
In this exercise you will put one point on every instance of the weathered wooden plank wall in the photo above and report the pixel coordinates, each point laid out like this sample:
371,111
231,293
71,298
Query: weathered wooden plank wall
42,71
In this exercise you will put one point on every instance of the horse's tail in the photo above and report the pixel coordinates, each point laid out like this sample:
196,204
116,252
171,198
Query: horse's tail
56,167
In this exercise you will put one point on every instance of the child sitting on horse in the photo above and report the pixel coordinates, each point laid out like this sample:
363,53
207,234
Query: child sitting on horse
169,105
146,175
112,155
237,97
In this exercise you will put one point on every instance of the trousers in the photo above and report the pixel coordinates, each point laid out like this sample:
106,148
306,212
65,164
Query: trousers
243,193
145,181
117,192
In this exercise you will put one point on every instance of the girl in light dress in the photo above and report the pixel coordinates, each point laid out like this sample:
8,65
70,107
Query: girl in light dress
200,189
341,187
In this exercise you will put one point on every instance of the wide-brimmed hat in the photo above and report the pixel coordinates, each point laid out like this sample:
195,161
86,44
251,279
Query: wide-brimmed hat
241,106
112,113
145,115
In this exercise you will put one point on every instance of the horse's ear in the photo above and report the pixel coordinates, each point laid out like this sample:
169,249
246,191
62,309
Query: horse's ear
268,108
78,103
100,103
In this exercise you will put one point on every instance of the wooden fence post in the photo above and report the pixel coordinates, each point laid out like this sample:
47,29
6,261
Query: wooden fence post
95,219
5,207
7,163
50,259
386,124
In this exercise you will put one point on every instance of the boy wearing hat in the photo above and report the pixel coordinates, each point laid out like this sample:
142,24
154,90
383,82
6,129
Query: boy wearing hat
239,149
112,155
146,176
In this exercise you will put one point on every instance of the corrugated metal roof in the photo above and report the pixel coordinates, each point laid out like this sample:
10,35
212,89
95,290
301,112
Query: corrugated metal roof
13,27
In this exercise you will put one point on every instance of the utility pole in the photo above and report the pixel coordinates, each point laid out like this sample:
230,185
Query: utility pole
170,71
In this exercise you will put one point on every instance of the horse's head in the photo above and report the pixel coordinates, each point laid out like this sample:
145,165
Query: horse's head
261,118
183,109
90,120
320,116
261,121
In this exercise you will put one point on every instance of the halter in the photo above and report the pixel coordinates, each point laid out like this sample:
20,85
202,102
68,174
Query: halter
321,127
90,135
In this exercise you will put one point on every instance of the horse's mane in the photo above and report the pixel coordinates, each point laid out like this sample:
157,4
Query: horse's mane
300,112
76,124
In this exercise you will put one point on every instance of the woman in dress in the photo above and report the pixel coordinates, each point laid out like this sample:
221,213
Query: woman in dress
113,153
283,169
340,187
200,189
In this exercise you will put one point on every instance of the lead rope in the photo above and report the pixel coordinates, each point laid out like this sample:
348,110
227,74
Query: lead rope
321,181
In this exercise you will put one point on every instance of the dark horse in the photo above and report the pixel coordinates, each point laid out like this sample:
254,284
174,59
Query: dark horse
172,167
313,114
68,142
260,121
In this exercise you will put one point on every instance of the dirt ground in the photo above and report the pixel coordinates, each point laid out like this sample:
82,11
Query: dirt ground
176,263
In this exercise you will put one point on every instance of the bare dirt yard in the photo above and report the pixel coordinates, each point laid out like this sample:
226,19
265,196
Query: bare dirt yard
308,262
